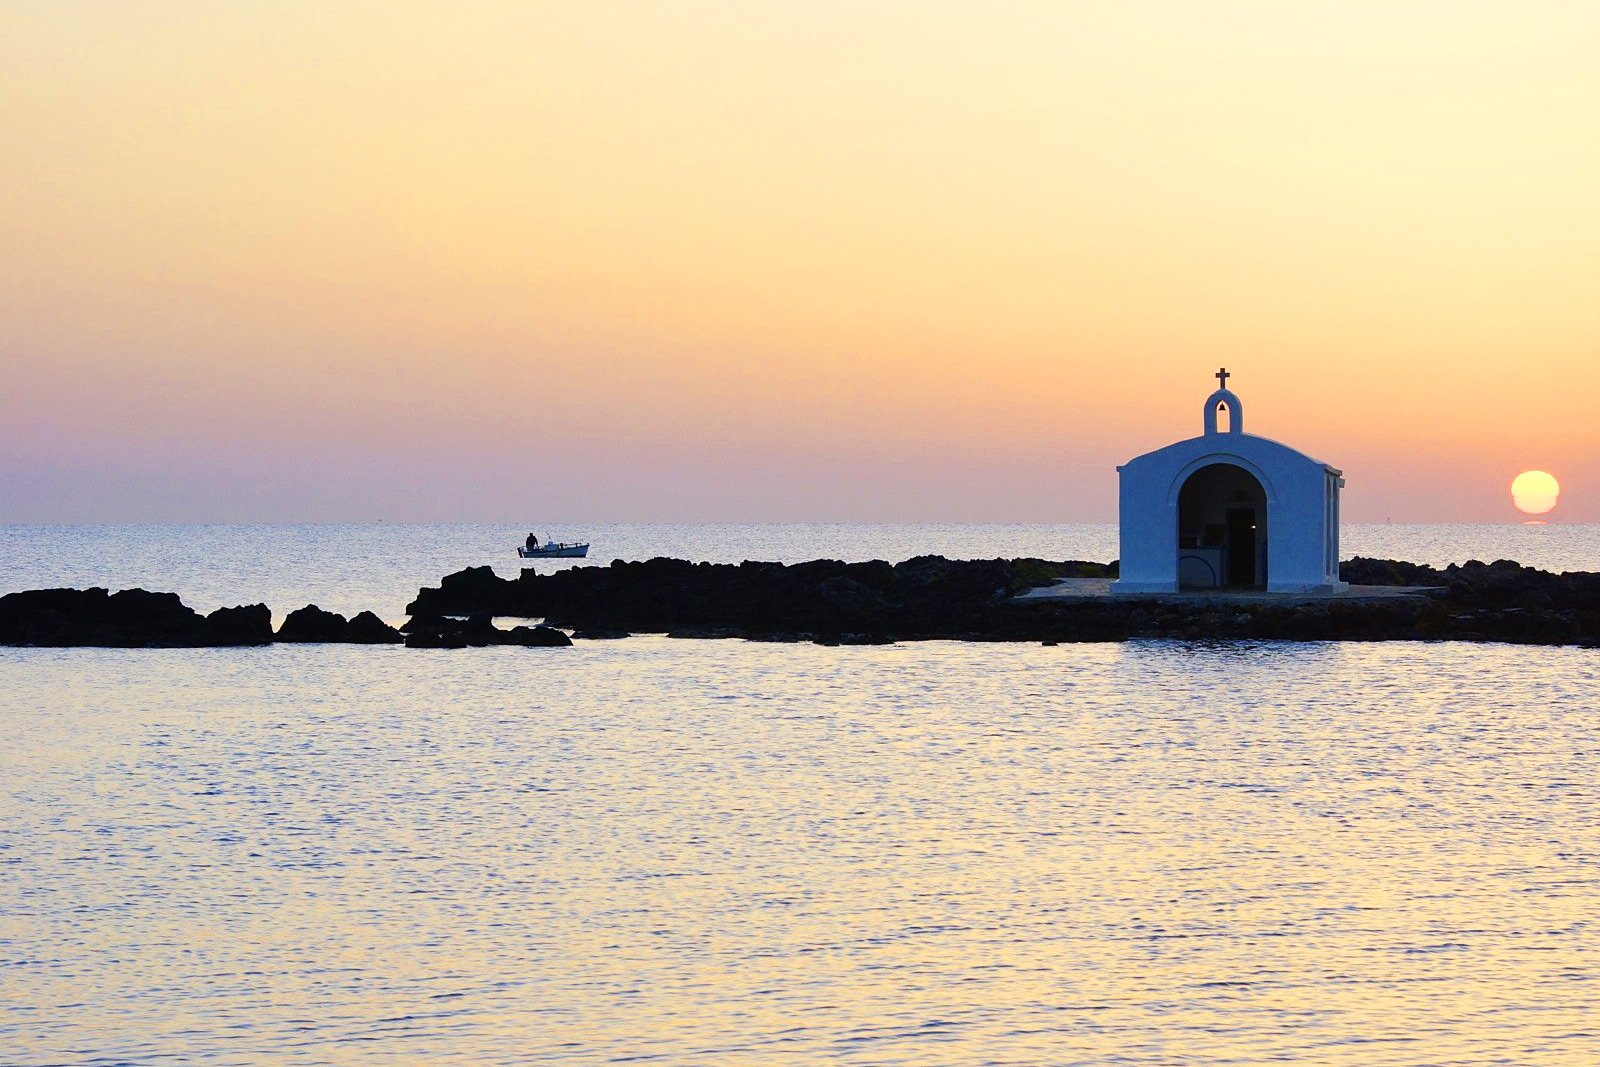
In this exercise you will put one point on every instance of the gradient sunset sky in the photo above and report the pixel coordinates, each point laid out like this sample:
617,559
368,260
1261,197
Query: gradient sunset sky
787,261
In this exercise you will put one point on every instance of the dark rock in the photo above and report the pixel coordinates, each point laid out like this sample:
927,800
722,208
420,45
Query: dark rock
247,625
477,586
311,624
50,616
1362,571
132,618
925,596
367,629
833,602
435,640
430,626
536,637
423,623
478,631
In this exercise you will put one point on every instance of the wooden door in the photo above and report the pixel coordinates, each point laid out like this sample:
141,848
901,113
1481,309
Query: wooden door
1241,546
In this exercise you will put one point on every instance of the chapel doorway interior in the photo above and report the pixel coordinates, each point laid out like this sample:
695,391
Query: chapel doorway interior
1222,529
1241,546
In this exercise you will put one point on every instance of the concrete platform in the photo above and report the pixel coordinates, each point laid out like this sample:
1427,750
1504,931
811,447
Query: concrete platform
1099,589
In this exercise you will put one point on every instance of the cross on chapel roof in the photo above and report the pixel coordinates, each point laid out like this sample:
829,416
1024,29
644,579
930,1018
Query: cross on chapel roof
1220,399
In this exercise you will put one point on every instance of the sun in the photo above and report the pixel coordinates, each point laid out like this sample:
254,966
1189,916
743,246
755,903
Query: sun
1535,492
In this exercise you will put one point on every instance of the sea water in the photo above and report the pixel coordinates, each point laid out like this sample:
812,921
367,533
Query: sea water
718,852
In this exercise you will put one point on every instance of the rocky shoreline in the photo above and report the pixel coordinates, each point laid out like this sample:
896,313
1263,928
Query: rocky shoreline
136,618
830,602
975,600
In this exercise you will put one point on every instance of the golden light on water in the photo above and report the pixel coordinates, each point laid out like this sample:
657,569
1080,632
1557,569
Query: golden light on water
1535,492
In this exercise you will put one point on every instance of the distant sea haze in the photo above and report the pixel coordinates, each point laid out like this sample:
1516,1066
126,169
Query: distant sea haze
380,566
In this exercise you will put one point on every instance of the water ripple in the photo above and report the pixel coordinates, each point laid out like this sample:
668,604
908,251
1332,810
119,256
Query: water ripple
715,852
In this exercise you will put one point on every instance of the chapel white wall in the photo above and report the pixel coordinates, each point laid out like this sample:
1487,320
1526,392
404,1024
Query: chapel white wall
1298,517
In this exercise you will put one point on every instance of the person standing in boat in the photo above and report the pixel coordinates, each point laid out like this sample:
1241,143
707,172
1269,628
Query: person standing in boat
533,542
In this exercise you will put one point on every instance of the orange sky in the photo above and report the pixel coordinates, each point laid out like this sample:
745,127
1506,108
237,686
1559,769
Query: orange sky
838,261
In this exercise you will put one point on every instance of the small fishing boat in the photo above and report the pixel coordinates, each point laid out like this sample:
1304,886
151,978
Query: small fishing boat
548,549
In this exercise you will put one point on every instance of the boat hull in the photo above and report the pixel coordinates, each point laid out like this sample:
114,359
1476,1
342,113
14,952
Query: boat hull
554,552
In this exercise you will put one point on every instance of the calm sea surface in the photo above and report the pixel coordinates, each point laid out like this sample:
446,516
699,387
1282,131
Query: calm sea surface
700,852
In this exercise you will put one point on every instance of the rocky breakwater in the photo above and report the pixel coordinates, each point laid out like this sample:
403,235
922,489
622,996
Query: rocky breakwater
313,625
932,597
479,631
1499,601
840,603
132,618
824,600
1475,601
136,618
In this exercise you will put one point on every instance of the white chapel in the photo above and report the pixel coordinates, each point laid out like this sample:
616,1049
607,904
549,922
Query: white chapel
1228,509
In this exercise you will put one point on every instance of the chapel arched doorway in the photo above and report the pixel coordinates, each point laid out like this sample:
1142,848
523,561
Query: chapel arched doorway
1222,529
